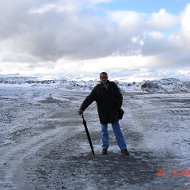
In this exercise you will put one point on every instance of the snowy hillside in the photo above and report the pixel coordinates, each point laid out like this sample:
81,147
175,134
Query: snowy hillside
163,86
166,85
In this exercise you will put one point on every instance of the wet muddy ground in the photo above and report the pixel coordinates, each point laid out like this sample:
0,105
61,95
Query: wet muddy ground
43,144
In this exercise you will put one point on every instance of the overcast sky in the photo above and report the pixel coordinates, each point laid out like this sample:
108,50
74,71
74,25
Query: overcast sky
133,39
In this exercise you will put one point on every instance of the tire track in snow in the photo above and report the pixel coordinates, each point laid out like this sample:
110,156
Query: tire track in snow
14,157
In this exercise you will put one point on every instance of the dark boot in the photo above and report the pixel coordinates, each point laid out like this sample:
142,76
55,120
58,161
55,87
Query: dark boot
125,152
104,151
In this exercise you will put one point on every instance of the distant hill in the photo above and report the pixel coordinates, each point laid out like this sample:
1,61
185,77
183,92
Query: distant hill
164,85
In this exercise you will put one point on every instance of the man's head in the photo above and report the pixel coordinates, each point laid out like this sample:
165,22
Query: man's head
103,77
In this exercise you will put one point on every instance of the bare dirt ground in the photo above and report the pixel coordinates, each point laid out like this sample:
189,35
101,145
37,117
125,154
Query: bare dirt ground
43,144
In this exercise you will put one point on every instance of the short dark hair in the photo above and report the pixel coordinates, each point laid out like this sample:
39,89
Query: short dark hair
103,73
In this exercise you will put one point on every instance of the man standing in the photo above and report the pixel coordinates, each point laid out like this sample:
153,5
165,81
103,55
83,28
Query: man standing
109,100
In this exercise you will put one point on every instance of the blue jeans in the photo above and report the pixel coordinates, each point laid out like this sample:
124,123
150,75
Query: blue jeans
118,135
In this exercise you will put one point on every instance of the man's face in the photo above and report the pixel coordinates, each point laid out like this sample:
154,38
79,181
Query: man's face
103,78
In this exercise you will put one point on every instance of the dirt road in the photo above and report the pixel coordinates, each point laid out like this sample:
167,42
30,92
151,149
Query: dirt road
43,144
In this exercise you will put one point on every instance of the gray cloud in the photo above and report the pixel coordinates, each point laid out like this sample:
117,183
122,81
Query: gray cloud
38,31
61,31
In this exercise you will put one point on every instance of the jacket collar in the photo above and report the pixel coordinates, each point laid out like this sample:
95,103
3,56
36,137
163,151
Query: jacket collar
106,84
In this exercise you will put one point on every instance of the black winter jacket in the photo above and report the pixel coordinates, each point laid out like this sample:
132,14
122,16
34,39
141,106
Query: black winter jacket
109,101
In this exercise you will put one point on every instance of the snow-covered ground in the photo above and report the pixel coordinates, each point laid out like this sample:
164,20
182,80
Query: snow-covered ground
43,144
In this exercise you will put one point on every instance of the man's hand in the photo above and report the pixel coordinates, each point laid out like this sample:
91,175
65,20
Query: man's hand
80,112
